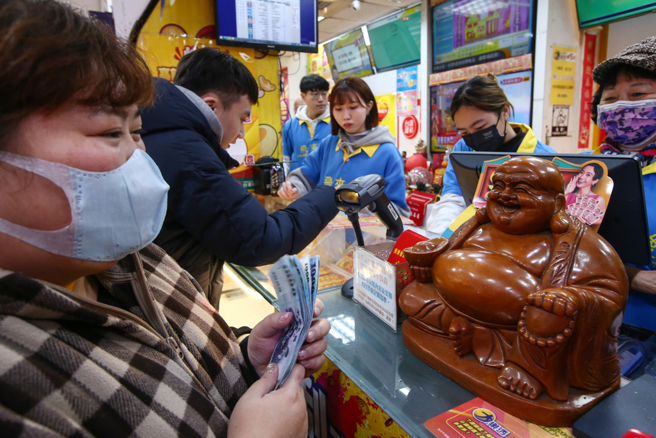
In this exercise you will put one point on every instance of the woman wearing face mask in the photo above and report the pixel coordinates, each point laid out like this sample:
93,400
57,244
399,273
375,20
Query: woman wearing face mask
357,147
481,113
102,333
624,106
582,203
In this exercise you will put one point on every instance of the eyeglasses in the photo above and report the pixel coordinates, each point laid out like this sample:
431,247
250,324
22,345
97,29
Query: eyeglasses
317,96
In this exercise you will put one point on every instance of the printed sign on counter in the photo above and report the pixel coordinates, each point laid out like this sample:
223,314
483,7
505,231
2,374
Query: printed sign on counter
478,418
374,286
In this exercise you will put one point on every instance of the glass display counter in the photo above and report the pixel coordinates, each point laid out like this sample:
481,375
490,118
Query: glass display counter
371,384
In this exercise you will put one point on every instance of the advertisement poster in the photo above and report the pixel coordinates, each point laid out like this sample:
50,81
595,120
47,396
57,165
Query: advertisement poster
180,28
587,188
586,90
559,121
285,110
477,418
348,56
406,91
317,63
387,111
563,72
469,32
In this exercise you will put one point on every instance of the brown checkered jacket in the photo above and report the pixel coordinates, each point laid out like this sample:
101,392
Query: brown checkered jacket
170,366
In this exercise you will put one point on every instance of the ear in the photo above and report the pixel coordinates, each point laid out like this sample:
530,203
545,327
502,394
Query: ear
370,105
213,101
594,182
506,112
561,203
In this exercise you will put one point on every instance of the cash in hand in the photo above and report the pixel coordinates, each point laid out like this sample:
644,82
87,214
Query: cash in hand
296,283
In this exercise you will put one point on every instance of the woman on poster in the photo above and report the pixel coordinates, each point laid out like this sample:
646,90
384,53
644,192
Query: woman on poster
582,202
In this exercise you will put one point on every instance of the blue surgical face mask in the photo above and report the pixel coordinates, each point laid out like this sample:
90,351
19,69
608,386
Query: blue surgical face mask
113,213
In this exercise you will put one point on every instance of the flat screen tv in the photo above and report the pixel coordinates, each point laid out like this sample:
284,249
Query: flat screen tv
267,24
625,221
396,40
470,32
591,13
348,56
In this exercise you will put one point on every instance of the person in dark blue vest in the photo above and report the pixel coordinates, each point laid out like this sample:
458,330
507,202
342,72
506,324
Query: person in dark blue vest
310,124
624,106
211,218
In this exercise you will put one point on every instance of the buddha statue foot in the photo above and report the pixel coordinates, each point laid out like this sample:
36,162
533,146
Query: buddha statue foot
461,333
515,379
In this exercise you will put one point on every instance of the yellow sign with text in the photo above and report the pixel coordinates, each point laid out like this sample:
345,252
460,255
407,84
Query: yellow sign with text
563,72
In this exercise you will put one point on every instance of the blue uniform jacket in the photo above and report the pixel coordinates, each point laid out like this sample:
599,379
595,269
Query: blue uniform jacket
641,307
210,216
299,139
530,145
330,166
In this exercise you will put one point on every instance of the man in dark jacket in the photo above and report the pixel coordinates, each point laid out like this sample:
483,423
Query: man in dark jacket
211,218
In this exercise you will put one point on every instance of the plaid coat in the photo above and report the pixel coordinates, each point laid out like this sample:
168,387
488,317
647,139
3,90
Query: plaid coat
170,366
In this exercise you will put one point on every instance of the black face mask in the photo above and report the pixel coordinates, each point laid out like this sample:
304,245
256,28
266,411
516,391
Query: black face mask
487,139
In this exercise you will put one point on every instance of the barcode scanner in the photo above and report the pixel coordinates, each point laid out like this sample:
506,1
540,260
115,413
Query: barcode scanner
367,192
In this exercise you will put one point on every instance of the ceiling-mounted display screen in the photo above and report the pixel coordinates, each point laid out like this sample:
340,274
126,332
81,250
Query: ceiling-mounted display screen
470,32
395,40
348,56
591,14
267,24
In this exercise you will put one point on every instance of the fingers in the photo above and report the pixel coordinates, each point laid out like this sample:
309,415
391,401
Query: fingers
313,365
318,330
318,308
272,325
309,351
295,378
267,382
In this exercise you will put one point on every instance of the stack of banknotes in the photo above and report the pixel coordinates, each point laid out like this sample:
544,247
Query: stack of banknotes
296,283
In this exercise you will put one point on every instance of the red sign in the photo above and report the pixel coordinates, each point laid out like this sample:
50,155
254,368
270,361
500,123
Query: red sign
586,90
410,127
417,202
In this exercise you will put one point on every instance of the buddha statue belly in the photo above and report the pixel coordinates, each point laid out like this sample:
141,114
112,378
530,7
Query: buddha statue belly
488,279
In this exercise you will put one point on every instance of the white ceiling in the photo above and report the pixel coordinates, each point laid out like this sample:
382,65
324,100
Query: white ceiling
340,17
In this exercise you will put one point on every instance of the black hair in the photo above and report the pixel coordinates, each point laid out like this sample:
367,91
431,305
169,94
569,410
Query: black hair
53,55
314,83
482,92
211,70
610,80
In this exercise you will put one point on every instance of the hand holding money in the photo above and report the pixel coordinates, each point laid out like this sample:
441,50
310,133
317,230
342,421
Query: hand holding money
296,283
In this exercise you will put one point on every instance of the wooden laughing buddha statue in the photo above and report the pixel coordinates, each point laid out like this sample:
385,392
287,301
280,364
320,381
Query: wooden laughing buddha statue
523,304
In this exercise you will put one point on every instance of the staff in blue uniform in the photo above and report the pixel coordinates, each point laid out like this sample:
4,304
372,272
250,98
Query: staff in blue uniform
310,124
625,107
481,111
357,147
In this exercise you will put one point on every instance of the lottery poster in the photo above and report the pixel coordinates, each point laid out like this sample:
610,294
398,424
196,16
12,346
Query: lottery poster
481,419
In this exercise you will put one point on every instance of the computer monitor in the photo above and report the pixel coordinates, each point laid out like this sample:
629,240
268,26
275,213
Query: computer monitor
625,222
268,24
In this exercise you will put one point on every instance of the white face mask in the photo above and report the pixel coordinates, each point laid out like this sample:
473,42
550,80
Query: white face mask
113,213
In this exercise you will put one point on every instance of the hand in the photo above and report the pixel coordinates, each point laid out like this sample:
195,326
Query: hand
263,413
287,190
265,335
571,185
